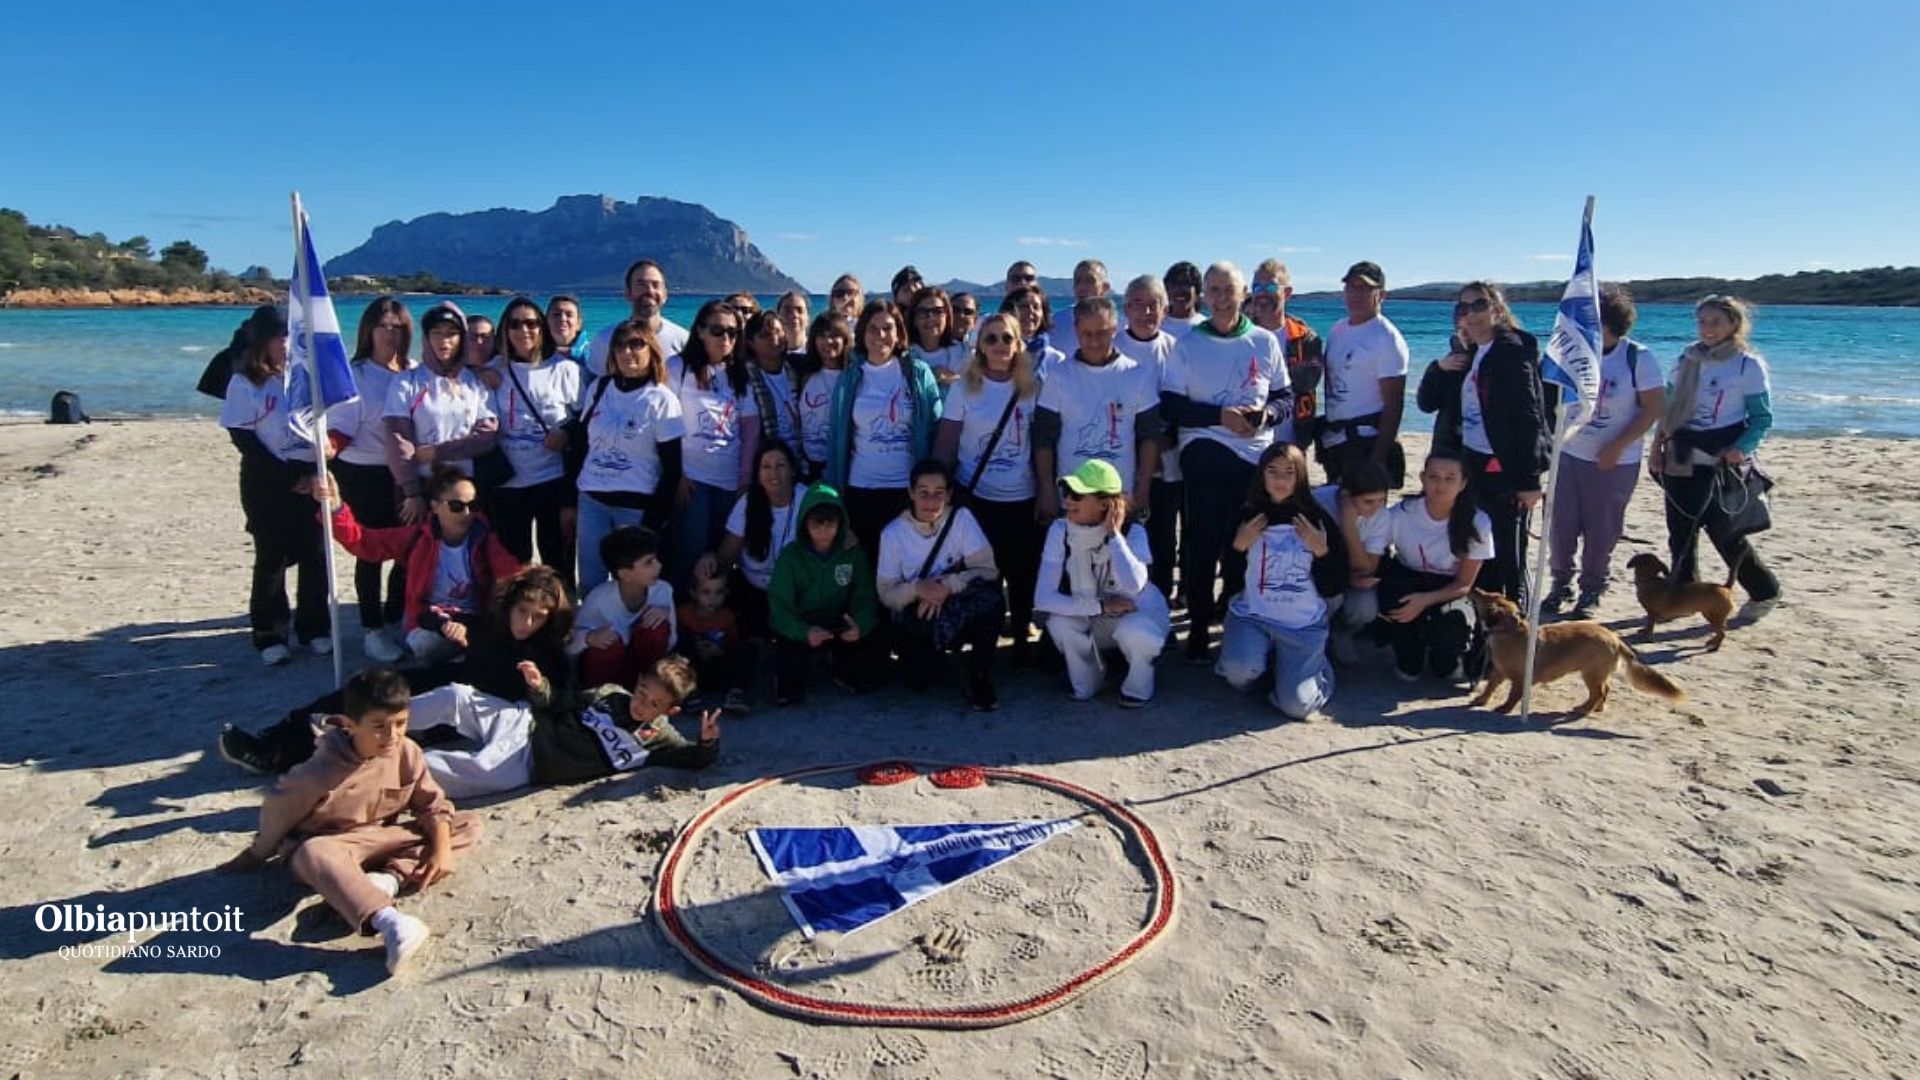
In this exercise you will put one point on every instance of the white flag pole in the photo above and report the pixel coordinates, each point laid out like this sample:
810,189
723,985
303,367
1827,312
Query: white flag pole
316,401
1561,432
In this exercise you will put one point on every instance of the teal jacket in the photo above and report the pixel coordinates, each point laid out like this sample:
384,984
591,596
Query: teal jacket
923,390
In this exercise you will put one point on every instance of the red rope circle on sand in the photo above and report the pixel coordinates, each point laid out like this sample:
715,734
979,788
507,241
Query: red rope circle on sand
666,911
959,776
882,773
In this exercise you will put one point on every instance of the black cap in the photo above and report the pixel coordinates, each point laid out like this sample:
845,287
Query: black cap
266,323
444,312
1369,273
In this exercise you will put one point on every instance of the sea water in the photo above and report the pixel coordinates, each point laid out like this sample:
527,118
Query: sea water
1836,370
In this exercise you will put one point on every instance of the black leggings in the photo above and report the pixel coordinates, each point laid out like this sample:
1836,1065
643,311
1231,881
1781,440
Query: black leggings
517,512
286,533
1015,538
1439,638
1216,482
1163,535
920,661
1506,572
370,491
1693,505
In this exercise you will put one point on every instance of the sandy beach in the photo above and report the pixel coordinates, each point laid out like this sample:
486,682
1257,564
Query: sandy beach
1406,887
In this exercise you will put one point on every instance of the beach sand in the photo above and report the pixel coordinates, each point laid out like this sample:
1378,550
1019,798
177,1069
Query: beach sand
1406,887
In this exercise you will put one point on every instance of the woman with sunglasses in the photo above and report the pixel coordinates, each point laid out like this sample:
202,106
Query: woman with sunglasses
534,388
765,374
380,351
714,467
937,343
1094,586
438,413
1028,304
846,298
1503,431
885,408
985,438
633,428
829,341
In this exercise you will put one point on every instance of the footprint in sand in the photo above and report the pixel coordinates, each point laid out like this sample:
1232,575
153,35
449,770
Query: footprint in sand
714,1049
1243,1010
1026,948
995,888
893,1049
1126,1061
1570,1064
949,980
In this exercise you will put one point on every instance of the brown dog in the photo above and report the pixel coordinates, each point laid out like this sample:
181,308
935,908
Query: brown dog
1667,600
1565,647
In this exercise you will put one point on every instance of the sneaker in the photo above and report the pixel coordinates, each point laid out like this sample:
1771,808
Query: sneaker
1557,599
239,748
404,937
321,646
736,702
1755,610
1587,606
380,649
275,655
386,881
1128,701
981,695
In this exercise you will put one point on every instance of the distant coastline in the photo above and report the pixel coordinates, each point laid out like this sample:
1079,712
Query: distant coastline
1884,286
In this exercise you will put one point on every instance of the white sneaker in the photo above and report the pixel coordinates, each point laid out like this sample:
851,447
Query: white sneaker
321,646
404,938
386,882
275,655
1755,610
379,648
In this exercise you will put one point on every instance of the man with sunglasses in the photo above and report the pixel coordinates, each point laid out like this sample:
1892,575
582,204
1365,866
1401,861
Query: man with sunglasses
1019,274
646,290
1367,363
1306,354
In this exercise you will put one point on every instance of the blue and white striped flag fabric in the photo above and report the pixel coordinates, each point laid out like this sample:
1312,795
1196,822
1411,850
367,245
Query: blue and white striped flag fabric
1573,352
310,310
841,879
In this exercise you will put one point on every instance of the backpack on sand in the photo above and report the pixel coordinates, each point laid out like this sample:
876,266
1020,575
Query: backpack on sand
66,409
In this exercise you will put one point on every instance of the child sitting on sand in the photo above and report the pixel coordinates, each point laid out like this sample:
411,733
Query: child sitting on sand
626,623
556,741
710,636
822,597
339,813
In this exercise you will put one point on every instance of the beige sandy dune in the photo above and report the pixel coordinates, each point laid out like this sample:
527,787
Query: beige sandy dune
1405,888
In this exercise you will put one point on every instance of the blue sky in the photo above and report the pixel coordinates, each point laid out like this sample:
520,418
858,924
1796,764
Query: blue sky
1442,141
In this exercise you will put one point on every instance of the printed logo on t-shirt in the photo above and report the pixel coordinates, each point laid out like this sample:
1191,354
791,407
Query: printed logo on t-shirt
1249,380
716,422
889,427
1100,436
1284,569
843,575
1009,452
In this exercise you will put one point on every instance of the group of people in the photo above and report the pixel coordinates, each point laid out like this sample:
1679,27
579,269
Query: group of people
907,477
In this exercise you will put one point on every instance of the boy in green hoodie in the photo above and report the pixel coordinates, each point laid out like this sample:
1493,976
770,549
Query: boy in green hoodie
822,597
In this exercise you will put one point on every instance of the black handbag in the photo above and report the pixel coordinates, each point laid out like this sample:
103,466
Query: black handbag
492,469
574,457
1742,491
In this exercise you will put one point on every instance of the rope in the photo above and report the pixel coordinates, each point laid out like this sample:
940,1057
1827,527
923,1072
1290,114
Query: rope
959,776
667,912
882,773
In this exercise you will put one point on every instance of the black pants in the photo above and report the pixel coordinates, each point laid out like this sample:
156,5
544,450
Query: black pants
1216,482
1015,538
290,740
1335,458
1163,532
1439,638
1693,505
749,605
870,510
920,661
518,512
370,491
1506,572
854,664
286,533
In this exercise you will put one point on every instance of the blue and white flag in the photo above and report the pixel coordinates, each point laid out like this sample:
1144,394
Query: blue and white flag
841,879
1573,352
310,314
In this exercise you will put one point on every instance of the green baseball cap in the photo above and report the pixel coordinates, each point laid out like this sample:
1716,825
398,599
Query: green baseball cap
1093,477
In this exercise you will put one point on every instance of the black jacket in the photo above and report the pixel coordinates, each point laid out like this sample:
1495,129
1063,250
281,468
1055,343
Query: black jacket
1510,405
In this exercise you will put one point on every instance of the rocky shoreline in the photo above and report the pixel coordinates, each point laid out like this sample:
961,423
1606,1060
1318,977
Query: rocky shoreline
101,298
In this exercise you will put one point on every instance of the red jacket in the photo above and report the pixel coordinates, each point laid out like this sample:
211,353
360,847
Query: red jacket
419,545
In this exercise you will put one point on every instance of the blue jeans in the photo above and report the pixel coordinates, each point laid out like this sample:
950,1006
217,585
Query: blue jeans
596,519
1302,680
697,529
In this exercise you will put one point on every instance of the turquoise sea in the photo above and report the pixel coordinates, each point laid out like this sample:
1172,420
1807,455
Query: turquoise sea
1851,371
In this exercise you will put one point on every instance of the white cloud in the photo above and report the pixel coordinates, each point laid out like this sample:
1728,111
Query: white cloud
1819,264
909,238
1285,249
1049,241
799,237
1557,257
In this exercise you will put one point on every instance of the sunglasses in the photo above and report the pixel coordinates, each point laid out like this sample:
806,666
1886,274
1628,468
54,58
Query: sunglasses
997,339
523,324
1027,279
966,311
1474,307
721,331
630,345
461,506
921,313
846,292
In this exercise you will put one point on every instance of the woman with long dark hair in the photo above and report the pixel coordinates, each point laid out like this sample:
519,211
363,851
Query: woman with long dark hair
829,343
885,407
1028,304
1428,556
380,354
763,520
633,428
714,466
765,373
533,398
936,341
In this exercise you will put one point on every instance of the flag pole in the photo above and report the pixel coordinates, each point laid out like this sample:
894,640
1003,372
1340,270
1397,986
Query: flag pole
316,402
1562,430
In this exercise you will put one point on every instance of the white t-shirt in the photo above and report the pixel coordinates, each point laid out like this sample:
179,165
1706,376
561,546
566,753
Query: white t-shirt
785,518
903,550
452,586
1358,357
710,452
604,608
1279,582
364,419
1724,388
1178,327
441,407
1048,597
1229,372
1618,403
672,338
1473,421
785,424
624,433
274,411
1098,407
1009,476
816,413
1370,528
1420,543
882,429
947,361
1155,351
552,388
